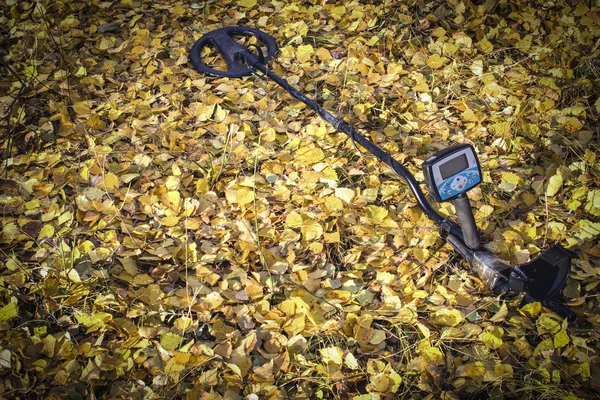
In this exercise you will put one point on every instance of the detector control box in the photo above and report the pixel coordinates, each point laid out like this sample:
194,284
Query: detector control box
451,172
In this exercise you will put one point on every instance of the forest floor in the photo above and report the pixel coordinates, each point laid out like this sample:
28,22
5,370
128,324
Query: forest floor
165,234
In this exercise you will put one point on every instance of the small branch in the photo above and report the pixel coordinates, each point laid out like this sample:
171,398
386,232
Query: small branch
10,109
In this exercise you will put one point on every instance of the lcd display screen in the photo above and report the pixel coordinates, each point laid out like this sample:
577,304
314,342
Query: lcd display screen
454,166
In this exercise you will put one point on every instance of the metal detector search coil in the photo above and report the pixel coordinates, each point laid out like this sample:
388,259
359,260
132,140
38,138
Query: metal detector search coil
451,172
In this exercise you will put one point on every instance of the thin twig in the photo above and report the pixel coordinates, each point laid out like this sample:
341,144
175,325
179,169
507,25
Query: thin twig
9,113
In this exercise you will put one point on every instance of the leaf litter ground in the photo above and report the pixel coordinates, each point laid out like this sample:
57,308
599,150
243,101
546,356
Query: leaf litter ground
165,234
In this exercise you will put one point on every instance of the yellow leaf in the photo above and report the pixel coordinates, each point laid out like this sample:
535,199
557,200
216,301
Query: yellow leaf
333,204
182,358
445,317
295,325
110,182
151,68
240,196
308,156
293,220
342,295
174,201
378,337
105,44
419,58
323,54
525,43
475,370
422,87
469,115
178,10
46,232
435,61
493,89
376,214
531,309
69,22
204,112
333,237
351,362
73,276
170,341
220,114
485,46
212,301
338,12
64,217
319,131
492,338
395,69
93,321
438,32
183,323
169,221
503,370
333,355
345,194
477,67
172,182
545,345
362,110
374,39
561,339
311,230
463,40
501,128
509,181
449,48
523,347
432,355
142,160
82,108
501,314
143,280
548,82
247,3
304,52
554,185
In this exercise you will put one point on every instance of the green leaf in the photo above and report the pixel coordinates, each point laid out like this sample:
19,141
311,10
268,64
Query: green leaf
561,339
170,341
485,46
9,311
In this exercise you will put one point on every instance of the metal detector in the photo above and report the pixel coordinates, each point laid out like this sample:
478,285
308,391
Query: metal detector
449,174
